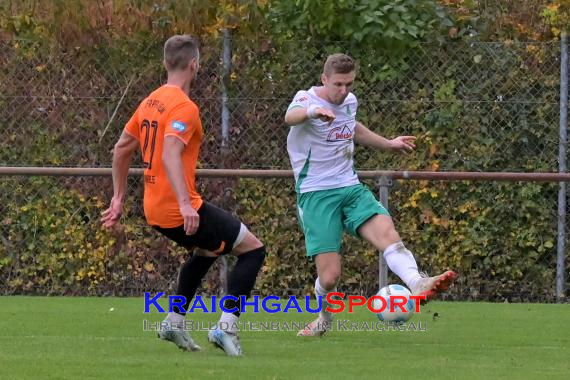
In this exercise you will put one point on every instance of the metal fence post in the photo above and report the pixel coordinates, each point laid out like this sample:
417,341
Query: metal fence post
561,246
226,72
384,184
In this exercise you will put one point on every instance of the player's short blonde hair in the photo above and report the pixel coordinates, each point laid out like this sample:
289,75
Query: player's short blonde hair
179,50
339,64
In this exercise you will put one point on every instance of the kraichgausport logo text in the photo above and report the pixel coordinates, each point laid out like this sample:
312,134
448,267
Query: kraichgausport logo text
273,304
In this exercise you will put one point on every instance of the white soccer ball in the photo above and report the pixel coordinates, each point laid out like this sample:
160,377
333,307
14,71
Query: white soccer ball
398,315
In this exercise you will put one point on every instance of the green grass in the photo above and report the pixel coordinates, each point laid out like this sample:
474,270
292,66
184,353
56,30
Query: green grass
80,338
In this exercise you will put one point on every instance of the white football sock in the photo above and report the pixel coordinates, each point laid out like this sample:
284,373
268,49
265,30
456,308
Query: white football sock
401,261
320,291
228,322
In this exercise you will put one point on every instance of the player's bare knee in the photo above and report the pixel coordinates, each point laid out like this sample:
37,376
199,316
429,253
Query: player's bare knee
392,236
329,278
248,243
328,282
384,236
255,242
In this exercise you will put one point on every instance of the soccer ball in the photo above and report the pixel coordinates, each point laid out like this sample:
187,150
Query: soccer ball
397,315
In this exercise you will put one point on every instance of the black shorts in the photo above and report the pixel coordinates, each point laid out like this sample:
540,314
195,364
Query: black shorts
217,231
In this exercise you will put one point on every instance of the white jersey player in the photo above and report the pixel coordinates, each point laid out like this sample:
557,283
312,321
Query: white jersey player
330,198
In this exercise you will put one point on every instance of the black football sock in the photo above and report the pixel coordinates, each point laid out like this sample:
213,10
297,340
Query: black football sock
242,277
190,278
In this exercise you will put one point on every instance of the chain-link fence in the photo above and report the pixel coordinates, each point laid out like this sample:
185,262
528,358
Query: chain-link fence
501,97
474,107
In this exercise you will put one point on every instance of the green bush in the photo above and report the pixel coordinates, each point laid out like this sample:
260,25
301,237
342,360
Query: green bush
474,107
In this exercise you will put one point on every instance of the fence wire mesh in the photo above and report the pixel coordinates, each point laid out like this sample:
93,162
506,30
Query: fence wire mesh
474,107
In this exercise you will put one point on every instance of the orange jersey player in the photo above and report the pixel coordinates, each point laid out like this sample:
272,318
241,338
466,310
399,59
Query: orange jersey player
166,127
167,111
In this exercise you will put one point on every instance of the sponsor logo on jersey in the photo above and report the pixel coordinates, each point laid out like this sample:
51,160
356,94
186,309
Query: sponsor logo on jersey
340,134
153,103
178,126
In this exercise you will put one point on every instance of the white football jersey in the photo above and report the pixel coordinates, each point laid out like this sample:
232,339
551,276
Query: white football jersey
321,153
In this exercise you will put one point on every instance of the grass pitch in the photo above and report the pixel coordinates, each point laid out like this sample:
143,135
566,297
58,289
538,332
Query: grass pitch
103,338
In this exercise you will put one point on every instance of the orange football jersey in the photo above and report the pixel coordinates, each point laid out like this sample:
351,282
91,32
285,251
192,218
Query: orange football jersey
167,111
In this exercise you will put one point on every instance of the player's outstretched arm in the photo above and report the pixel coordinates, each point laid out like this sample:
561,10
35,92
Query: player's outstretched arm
298,115
122,155
366,137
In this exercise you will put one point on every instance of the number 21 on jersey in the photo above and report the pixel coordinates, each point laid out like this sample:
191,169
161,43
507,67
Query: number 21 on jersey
149,128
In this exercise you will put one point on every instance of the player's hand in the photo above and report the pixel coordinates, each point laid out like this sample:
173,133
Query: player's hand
315,112
325,114
403,144
111,216
191,219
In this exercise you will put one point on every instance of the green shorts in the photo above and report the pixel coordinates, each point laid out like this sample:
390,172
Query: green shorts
324,214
